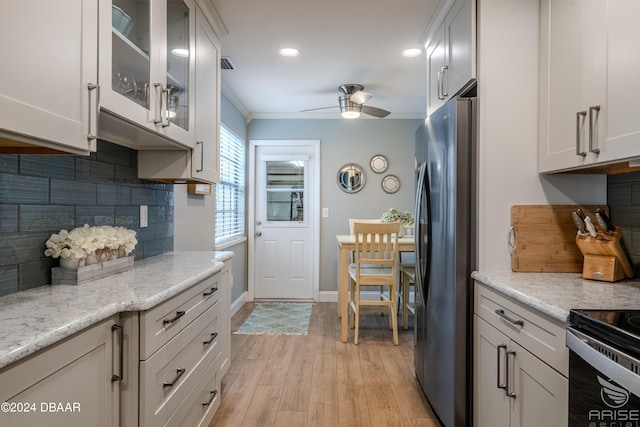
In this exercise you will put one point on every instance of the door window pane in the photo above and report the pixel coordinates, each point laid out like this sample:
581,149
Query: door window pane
285,190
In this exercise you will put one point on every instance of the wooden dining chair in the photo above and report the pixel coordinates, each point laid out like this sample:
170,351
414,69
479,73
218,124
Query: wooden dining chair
376,255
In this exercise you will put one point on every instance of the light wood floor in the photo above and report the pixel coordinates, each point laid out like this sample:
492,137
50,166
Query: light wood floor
316,380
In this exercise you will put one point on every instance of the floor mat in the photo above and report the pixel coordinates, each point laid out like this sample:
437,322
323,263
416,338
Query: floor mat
278,319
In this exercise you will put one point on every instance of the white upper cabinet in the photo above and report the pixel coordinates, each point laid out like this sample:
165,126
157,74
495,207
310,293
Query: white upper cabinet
201,163
48,92
451,54
588,94
147,73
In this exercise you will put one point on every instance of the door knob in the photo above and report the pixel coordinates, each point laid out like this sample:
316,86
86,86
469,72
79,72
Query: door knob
258,233
258,223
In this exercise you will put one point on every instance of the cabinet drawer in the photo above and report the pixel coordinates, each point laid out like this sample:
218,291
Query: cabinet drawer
182,362
202,402
163,322
537,333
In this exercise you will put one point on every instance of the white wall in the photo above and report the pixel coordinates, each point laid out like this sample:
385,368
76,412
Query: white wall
508,53
346,141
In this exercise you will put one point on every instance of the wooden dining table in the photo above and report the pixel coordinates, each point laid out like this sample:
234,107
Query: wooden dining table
346,245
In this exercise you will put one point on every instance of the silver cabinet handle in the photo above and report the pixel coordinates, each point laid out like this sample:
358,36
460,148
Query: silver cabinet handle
211,291
213,396
499,384
201,145
93,135
178,315
158,112
444,69
165,116
500,312
511,394
439,86
179,373
120,374
214,335
579,115
592,109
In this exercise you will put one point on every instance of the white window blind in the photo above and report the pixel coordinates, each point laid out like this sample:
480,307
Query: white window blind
230,190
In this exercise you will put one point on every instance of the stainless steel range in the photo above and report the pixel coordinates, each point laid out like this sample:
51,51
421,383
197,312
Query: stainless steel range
604,368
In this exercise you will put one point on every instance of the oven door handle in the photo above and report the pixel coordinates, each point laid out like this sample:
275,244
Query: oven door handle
579,344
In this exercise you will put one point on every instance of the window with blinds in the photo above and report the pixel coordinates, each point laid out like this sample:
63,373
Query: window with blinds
230,190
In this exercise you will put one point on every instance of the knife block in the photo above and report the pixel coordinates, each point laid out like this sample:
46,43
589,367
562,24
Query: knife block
605,257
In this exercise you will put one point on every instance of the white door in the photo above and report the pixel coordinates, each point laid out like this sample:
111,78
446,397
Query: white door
284,222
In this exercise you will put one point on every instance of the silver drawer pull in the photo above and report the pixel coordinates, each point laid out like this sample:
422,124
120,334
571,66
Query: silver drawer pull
511,394
213,396
214,335
499,384
178,315
210,292
500,312
179,373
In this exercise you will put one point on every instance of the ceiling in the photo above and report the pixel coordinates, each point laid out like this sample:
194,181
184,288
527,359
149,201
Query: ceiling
340,42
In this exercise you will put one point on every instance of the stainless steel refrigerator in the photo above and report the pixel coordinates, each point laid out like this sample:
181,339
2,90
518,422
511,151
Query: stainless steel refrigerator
445,257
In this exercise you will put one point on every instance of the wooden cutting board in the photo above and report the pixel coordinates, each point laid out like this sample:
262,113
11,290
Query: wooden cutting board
545,238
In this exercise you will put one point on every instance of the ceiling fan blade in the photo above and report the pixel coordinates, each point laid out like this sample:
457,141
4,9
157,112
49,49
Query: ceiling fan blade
321,108
360,97
374,111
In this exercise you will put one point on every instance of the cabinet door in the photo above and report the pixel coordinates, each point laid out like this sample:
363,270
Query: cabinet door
68,384
146,71
573,72
623,92
541,394
127,53
436,63
49,52
177,64
460,31
491,405
205,166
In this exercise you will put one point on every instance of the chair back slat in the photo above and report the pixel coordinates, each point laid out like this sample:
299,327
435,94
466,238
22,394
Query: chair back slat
376,244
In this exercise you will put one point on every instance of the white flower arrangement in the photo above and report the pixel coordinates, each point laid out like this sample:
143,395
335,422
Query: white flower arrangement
104,242
395,215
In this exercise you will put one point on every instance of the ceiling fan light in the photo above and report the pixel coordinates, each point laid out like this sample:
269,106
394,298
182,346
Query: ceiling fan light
350,114
410,53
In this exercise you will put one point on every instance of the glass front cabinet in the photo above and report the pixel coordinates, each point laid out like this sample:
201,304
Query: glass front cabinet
146,71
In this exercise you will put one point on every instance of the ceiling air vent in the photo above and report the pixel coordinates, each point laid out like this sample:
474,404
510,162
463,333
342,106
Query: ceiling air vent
226,64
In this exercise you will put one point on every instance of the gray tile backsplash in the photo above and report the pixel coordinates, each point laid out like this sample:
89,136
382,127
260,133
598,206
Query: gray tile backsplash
623,198
40,194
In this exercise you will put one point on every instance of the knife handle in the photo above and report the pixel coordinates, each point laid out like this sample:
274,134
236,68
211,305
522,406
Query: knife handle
590,227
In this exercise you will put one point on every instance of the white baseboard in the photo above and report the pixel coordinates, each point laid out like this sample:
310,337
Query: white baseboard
238,303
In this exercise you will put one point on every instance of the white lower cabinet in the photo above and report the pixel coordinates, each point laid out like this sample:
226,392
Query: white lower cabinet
513,384
71,383
179,352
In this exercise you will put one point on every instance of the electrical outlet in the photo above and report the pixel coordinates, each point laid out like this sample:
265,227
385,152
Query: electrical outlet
144,216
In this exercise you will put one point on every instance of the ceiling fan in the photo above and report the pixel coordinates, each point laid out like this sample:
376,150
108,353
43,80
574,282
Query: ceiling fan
351,103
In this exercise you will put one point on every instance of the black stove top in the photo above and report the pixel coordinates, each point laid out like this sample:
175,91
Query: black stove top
619,328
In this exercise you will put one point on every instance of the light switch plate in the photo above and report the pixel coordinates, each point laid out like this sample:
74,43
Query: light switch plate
325,212
144,216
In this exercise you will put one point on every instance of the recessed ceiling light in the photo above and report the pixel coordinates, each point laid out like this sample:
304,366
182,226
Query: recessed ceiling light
180,52
289,51
410,53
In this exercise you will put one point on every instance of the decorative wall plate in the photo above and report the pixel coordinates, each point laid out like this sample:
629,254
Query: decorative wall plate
379,163
390,184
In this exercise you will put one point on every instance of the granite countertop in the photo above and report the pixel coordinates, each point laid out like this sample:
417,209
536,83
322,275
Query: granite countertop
556,293
41,316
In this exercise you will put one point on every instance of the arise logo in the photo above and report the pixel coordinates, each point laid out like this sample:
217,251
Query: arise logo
613,395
